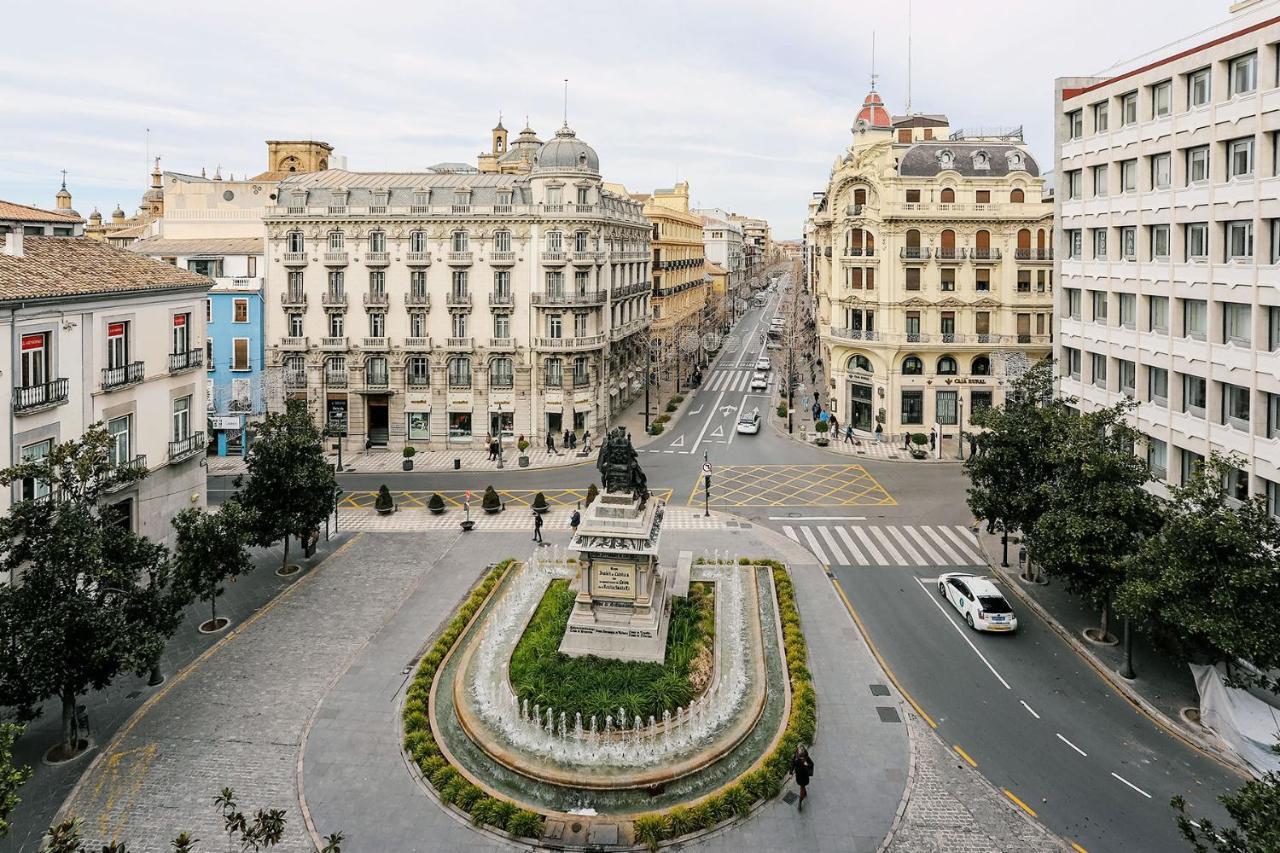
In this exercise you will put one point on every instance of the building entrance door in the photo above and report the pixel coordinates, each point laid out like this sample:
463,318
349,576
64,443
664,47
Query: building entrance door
860,406
378,422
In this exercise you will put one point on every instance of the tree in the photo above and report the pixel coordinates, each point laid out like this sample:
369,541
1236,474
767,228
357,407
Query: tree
11,778
210,548
1255,808
290,485
86,599
1208,582
1095,511
1010,465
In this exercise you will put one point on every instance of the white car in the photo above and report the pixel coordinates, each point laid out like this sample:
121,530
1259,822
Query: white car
749,422
763,363
772,344
979,601
760,381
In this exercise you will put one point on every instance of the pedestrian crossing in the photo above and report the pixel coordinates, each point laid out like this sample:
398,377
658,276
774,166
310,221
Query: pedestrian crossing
907,546
730,380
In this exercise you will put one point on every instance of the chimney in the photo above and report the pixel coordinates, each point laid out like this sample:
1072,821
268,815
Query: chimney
13,241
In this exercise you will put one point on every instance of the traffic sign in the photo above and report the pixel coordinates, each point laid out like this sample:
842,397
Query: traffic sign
706,467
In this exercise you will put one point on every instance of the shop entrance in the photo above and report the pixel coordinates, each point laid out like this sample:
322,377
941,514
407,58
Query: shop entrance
860,406
579,422
555,424
379,422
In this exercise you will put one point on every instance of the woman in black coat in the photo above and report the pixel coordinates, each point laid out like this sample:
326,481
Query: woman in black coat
802,767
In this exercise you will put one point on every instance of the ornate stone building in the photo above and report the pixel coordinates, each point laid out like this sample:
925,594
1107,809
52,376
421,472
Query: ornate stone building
931,268
680,280
434,309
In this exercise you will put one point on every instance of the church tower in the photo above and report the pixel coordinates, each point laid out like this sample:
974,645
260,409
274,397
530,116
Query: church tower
63,197
499,139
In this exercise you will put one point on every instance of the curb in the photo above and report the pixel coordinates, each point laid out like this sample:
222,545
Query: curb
1206,744
780,428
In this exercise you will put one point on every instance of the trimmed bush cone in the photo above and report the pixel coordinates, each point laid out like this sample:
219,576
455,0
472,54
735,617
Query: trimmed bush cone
435,503
540,502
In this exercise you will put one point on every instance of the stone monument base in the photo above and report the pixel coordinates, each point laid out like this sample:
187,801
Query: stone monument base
620,631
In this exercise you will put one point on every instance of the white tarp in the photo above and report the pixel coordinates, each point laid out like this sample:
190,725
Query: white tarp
1249,724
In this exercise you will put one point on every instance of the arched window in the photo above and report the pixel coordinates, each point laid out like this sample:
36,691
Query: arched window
500,373
1017,196
335,371
912,366
861,242
1039,238
913,238
981,366
860,362
460,371
1024,238
947,239
377,241
337,241
947,366
460,242
948,196
859,196
417,241
294,242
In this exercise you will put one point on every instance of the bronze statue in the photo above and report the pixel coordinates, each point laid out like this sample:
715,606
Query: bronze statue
619,465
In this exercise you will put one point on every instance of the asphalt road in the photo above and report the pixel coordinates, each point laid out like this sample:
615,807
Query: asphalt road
1033,717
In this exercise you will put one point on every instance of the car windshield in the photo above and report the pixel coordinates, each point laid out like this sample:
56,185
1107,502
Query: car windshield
994,604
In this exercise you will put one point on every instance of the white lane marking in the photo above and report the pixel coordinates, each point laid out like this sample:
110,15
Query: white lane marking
960,631
831,543
1029,709
814,546
868,545
679,442
696,411
945,546
668,451
799,518
718,432
883,538
790,534
710,415
925,545
853,549
966,548
734,430
906,547
1072,745
1131,785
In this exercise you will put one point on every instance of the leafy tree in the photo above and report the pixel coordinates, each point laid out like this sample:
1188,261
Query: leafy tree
290,486
1255,808
11,778
1095,511
86,599
1209,581
1010,465
210,548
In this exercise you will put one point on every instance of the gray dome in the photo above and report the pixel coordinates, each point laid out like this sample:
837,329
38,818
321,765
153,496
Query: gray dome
567,153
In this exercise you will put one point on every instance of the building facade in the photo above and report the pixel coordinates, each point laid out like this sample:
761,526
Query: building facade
723,244
932,270
94,334
436,309
680,281
1169,238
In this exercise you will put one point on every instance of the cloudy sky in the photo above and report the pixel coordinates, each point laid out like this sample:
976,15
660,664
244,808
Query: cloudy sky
749,101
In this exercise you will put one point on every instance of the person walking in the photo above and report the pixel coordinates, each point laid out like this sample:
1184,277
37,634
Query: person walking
906,441
879,433
848,433
551,444
586,440
488,442
933,439
835,427
537,527
574,521
564,441
802,767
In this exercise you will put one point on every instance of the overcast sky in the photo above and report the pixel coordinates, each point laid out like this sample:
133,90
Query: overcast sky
749,101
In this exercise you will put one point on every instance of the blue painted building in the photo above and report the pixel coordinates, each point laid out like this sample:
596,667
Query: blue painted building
234,361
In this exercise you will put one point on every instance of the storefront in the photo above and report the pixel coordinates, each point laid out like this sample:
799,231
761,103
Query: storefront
582,409
458,419
335,414
227,435
417,418
860,406
502,414
553,406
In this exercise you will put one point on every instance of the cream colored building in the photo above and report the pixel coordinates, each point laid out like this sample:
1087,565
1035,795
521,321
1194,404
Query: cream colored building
95,333
931,268
680,281
437,308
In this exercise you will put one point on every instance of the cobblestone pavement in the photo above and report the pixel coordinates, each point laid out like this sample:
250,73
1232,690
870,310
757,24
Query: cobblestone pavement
387,461
412,520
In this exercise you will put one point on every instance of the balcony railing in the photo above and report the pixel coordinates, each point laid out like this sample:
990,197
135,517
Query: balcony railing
856,334
459,343
335,378
335,259
34,398
375,343
418,259
460,258
501,380
375,379
587,257
333,343
377,259
915,253
459,381
295,258
293,299
554,257
581,381
584,208
502,343
189,360
417,343
553,380
586,297
502,258
632,289
417,299
119,377
185,448
984,254
334,298
586,342
418,380
376,299
501,300
859,252
457,300
1033,254
294,343
295,379
950,254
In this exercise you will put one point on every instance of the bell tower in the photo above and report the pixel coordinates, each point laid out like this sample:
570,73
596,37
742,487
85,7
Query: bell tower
499,139
305,155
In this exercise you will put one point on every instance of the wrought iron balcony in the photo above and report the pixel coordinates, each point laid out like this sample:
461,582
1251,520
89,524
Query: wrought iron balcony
294,380
119,377
501,300
585,297
457,300
950,254
185,448
1033,254
35,398
375,379
984,254
376,300
417,299
335,378
189,360
915,253
334,298
418,380
293,299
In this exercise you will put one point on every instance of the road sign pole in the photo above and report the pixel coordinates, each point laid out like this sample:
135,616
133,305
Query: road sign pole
706,499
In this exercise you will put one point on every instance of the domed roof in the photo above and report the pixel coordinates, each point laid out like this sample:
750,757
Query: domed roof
567,153
96,216
873,114
63,193
118,213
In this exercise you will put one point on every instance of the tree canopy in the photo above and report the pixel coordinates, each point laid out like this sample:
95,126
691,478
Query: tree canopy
211,548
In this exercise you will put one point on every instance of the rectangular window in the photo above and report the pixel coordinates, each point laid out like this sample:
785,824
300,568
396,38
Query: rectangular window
1273,415
1098,364
1073,303
240,310
458,323
417,325
502,325
1072,366
35,359
1075,124
1190,464
1128,375
555,326
1197,88
1024,281
118,430
579,325
1161,171
1158,313
1197,238
1239,241
945,406
1128,310
1240,158
180,340
982,280
913,196
1235,406
1075,243
1101,115
913,407
1194,391
181,418
1237,322
1194,318
982,196
1128,109
1100,187
1128,176
1198,164
33,489
1074,182
1159,242
295,325
239,353
1161,99
982,323
913,326
1243,74
337,324
1128,243
118,344
913,278
1099,299
377,325
1099,244
1157,458
1158,386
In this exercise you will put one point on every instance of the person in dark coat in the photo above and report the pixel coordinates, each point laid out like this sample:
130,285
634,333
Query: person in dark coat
537,528
933,439
802,767
551,443
574,521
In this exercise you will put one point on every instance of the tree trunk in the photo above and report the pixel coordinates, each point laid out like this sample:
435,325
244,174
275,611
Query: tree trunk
1106,617
213,604
70,725
285,565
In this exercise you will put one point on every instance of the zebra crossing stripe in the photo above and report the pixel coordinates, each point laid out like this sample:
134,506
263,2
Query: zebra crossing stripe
814,546
790,533
944,544
888,545
965,547
831,543
866,543
925,545
907,547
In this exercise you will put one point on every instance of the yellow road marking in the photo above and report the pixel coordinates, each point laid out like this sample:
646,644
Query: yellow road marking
1078,848
1026,808
862,629
793,485
965,756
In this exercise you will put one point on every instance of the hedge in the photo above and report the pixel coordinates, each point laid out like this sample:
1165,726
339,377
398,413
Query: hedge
766,782
420,744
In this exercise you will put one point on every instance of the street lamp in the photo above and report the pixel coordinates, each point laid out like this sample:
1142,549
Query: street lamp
960,419
499,436
1126,668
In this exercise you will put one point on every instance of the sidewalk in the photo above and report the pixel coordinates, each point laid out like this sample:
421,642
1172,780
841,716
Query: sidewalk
865,444
1162,688
390,461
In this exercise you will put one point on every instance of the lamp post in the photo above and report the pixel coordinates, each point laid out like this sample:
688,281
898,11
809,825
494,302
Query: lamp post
1126,668
706,484
499,436
960,420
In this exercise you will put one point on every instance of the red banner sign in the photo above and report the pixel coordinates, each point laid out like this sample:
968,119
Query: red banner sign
30,342
115,330
179,320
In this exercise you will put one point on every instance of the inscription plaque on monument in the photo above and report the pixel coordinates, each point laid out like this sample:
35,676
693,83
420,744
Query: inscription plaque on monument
613,580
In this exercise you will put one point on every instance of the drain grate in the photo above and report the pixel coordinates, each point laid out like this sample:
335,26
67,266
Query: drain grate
888,715
879,689
790,797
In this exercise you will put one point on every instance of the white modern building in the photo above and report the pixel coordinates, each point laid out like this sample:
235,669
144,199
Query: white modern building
1168,228
93,333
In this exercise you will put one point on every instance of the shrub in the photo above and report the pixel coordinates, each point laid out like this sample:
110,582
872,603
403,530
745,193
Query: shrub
650,829
539,501
490,499
409,452
383,502
678,398
443,777
662,419
919,438
821,427
656,428
592,494
672,405
468,795
435,502
782,410
415,721
522,444
525,824
482,811
501,814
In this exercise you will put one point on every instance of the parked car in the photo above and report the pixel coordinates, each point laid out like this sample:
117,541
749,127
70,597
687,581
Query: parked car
749,422
979,601
760,381
763,363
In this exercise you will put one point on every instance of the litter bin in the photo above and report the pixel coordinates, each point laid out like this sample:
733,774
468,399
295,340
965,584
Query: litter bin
457,464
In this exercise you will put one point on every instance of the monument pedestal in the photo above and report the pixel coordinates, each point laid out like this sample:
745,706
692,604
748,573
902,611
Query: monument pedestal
623,604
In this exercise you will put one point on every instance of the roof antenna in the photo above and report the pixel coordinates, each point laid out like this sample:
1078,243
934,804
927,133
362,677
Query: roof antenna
148,147
873,61
566,102
908,57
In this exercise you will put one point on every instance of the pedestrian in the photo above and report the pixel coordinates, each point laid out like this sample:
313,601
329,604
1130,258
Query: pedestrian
574,521
879,433
564,442
537,527
933,439
586,440
551,444
573,441
802,767
848,433
488,440
906,441
493,450
835,426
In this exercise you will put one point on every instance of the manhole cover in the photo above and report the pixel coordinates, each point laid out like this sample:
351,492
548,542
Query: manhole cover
879,690
888,715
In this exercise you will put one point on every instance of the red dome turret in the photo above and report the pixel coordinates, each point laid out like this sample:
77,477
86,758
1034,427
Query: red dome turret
873,115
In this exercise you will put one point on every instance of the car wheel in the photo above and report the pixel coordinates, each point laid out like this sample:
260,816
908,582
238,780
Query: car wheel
942,590
968,618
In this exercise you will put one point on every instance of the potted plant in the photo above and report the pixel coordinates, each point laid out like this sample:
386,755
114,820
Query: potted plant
408,457
918,441
821,428
490,502
672,405
384,505
540,503
522,445
592,494
656,428
435,503
782,410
